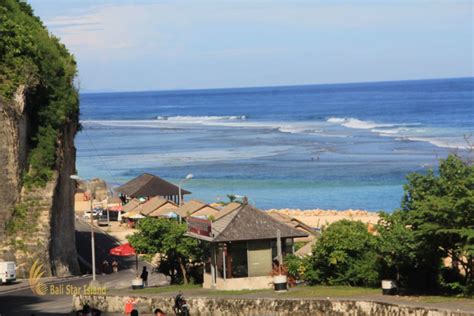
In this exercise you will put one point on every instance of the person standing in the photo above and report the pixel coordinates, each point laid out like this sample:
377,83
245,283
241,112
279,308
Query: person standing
115,266
105,266
144,277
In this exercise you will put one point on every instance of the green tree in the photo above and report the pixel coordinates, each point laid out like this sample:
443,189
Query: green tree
415,266
167,237
440,210
345,254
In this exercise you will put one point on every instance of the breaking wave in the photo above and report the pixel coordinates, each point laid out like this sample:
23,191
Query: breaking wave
199,119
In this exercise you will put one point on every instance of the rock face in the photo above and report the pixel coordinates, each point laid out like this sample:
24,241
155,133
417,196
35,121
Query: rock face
49,230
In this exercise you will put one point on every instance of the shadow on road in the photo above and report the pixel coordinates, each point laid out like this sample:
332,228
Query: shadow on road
103,244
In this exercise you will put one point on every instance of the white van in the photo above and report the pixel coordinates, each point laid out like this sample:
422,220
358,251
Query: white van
7,271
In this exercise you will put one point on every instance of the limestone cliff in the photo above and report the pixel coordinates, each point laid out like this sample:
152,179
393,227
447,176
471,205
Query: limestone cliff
39,111
49,224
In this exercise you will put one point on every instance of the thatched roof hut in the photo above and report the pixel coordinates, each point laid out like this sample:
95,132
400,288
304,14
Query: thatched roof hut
131,205
148,185
197,208
295,223
248,223
157,206
243,244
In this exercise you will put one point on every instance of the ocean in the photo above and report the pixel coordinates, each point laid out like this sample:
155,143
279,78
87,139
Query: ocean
333,146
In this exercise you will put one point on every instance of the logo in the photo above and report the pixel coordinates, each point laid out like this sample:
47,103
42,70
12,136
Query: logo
58,288
34,280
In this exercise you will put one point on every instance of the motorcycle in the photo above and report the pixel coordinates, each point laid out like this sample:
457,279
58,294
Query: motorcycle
180,306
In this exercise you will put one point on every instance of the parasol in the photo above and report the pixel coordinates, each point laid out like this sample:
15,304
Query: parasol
125,250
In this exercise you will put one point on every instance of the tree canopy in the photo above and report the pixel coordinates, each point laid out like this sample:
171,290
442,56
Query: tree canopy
345,254
167,237
440,209
427,245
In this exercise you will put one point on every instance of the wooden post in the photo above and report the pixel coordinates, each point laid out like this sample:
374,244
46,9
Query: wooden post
213,266
224,251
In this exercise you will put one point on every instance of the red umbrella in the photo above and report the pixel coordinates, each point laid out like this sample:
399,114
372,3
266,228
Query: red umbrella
125,250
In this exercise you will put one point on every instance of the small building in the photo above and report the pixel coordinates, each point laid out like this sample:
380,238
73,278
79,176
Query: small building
157,207
243,245
197,208
148,185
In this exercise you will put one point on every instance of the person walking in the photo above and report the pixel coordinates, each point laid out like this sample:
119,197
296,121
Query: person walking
144,277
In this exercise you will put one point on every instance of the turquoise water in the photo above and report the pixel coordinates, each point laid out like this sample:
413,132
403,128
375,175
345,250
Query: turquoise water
321,146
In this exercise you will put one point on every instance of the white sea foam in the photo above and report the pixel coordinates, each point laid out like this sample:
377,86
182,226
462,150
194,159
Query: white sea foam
403,132
196,156
399,132
356,123
198,119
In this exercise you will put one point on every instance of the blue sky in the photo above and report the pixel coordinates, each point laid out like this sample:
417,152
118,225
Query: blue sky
162,45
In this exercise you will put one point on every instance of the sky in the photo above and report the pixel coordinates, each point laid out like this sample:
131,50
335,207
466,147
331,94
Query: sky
167,45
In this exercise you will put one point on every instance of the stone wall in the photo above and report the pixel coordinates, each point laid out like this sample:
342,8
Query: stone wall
50,237
252,307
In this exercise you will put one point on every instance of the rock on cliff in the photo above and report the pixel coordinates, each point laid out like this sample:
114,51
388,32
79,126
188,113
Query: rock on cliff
47,213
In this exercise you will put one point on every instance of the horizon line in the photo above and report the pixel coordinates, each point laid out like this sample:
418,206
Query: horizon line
270,86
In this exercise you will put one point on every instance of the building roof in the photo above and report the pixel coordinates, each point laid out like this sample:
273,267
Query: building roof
293,222
307,249
149,185
228,209
195,206
131,205
152,204
248,223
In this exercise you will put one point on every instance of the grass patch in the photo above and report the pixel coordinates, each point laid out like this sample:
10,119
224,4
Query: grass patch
167,289
445,299
325,291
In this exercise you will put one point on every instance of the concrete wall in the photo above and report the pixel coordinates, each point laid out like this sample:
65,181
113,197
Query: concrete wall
252,283
252,307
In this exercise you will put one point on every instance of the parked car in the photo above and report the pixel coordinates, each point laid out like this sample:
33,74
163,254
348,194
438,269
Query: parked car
103,221
7,272
87,214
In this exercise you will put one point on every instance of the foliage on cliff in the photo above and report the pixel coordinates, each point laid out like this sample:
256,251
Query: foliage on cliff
31,57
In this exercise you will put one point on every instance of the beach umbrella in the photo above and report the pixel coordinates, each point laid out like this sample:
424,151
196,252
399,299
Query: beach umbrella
125,250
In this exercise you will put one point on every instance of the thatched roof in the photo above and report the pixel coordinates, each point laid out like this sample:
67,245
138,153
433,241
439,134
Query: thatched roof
152,204
131,205
149,185
196,208
248,223
307,249
293,222
157,205
228,209
114,200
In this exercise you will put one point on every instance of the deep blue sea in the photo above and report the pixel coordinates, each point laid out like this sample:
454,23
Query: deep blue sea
334,146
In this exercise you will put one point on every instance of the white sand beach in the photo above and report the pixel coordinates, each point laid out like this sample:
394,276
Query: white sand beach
319,218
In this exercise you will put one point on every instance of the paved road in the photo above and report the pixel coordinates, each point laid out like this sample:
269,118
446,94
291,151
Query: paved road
17,299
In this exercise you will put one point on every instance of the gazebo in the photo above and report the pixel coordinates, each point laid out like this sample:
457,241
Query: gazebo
243,244
148,185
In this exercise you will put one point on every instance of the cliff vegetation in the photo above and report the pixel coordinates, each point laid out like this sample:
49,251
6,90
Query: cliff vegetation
33,58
